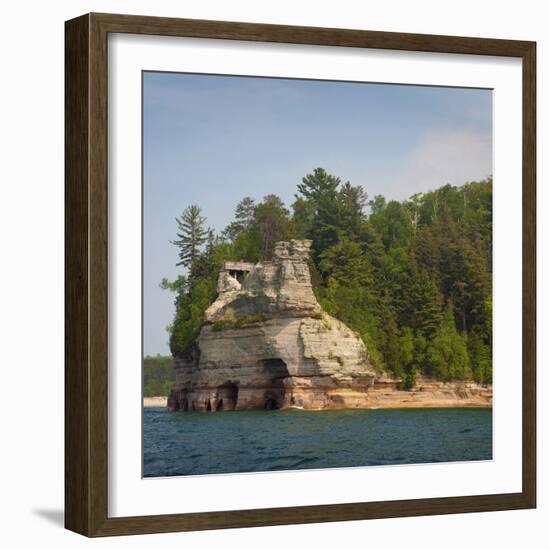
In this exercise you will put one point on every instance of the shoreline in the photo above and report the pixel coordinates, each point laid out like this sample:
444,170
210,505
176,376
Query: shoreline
384,393
156,401
396,399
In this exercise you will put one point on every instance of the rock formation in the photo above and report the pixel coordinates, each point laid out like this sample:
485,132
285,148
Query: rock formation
267,344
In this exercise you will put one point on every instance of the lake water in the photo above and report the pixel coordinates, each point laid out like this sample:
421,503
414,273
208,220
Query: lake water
187,443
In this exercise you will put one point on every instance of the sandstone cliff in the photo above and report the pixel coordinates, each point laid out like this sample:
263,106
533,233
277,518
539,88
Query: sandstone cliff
267,344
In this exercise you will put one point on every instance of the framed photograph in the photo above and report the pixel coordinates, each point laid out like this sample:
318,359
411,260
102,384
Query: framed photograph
300,275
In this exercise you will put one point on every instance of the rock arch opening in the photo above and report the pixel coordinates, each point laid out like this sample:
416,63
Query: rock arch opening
276,372
227,396
271,404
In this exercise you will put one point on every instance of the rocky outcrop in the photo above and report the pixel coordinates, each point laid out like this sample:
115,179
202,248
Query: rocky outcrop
428,393
266,343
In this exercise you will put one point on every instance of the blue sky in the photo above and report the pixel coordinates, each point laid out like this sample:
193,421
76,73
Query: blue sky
211,140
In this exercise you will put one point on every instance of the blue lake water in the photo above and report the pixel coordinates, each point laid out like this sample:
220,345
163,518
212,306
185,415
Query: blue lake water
191,443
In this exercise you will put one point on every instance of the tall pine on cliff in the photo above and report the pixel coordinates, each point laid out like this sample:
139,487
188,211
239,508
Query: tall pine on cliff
191,235
412,277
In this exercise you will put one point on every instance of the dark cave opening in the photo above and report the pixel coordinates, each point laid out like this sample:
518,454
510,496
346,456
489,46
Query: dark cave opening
271,404
276,367
227,396
275,393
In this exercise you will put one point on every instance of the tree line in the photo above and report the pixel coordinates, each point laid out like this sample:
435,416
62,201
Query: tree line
413,278
158,375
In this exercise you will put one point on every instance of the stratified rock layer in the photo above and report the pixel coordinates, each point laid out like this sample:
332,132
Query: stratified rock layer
267,344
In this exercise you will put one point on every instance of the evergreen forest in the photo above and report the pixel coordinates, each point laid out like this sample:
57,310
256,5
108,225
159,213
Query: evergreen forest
413,278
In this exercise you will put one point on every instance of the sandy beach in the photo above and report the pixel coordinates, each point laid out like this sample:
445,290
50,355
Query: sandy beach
157,401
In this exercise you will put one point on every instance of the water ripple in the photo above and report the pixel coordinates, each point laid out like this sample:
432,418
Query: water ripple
256,441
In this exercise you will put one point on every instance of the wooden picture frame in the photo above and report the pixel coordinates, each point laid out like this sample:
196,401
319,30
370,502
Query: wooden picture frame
86,283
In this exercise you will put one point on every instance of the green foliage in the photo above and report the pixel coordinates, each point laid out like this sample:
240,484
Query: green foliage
258,318
447,353
325,212
191,235
423,305
393,224
158,375
480,356
190,304
244,216
218,326
270,225
413,278
236,322
257,227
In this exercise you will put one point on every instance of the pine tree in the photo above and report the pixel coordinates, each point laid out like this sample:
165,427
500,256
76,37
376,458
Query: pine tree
317,185
271,224
423,305
385,275
377,204
393,224
391,342
327,213
319,205
480,354
244,212
447,353
347,263
244,217
353,200
191,235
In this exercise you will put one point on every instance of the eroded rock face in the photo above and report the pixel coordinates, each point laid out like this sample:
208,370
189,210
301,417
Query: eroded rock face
267,344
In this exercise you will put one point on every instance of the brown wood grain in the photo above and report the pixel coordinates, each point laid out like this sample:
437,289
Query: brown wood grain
77,389
529,276
86,279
